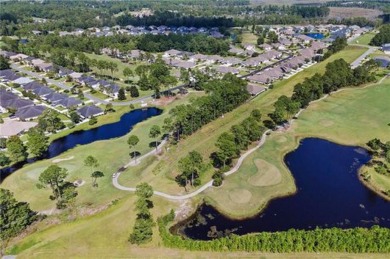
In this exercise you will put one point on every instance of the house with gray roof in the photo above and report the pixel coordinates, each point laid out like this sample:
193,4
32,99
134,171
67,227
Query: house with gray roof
31,112
225,70
89,110
7,54
55,97
42,91
255,90
260,78
22,80
69,102
384,61
32,86
8,75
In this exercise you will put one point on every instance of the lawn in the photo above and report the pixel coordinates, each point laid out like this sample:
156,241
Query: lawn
203,140
248,37
105,236
121,65
112,154
364,39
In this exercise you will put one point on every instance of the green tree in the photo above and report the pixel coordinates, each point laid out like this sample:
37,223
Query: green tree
133,141
50,121
14,218
95,175
227,148
17,151
121,94
142,230
260,40
91,161
273,37
127,72
154,133
134,91
4,64
190,166
54,177
4,159
92,120
75,117
37,142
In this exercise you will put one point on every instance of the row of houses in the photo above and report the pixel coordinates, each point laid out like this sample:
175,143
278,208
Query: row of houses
285,67
137,30
43,92
106,87
23,109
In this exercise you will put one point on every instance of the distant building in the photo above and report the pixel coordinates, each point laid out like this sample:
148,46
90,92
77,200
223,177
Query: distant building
386,48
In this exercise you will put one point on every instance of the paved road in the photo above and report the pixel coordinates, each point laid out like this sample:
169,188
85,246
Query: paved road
201,189
87,95
357,62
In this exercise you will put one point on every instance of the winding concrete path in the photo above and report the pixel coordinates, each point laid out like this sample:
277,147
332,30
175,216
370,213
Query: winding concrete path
201,189
231,171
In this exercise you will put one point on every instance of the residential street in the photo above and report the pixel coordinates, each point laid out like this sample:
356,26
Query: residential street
87,95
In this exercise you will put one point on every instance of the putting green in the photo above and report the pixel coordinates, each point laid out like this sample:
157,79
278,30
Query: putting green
266,175
240,196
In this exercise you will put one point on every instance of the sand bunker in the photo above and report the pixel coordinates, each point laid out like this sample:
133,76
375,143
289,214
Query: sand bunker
62,159
240,195
267,174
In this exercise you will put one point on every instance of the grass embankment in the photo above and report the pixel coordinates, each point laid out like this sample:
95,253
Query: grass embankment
364,39
105,235
203,140
350,117
111,154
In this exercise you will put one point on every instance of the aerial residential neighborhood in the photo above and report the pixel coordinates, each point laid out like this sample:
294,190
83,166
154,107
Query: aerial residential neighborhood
194,129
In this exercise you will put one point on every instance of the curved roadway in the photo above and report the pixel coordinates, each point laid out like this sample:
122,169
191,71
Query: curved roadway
201,189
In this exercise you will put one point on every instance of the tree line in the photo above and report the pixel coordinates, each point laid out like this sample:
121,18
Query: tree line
338,74
354,240
223,96
168,18
380,160
382,37
197,43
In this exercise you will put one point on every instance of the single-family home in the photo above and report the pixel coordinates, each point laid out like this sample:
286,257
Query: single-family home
225,70
255,90
386,48
31,112
89,110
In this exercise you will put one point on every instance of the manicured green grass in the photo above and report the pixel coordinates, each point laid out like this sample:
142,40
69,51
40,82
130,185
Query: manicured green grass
248,37
203,140
105,235
112,154
350,117
364,39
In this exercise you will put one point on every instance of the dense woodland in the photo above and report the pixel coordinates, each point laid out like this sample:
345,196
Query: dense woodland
355,240
196,43
223,96
174,19
382,37
17,17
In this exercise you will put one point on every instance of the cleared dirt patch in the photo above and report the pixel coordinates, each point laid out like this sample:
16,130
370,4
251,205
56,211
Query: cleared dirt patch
240,196
348,12
267,174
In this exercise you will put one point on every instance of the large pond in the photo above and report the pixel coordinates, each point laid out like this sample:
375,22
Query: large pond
329,194
108,131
